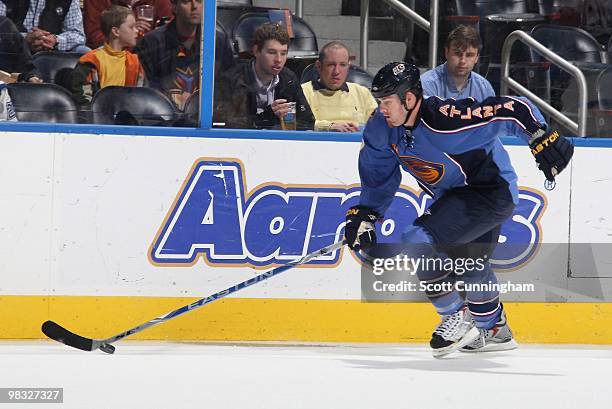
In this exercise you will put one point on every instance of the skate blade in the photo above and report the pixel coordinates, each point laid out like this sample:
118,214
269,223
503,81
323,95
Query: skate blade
494,346
469,337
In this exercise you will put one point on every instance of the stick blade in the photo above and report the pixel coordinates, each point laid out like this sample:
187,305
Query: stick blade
60,334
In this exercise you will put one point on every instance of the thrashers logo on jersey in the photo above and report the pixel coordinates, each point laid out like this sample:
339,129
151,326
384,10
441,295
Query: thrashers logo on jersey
216,218
425,171
428,172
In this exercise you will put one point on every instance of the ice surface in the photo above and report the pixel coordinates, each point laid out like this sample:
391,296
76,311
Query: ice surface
235,376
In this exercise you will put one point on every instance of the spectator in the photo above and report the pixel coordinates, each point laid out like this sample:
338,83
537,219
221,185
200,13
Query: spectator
337,105
48,24
454,78
257,93
170,54
15,54
110,64
92,9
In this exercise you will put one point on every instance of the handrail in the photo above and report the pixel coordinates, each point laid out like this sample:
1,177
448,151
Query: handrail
299,8
429,26
506,82
363,38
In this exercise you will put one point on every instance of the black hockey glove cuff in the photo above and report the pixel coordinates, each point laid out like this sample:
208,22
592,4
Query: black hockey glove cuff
552,152
359,231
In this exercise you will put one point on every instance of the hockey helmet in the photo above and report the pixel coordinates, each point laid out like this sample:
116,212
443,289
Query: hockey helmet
397,78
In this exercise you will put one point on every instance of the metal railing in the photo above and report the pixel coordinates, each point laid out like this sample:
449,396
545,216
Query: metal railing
429,26
506,82
299,8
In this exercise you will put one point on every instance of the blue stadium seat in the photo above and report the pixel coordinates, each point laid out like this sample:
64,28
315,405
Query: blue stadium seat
494,20
602,116
191,110
42,103
48,63
562,12
575,45
132,106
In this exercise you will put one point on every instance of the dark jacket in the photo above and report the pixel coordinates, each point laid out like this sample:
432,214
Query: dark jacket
51,18
236,100
157,51
14,51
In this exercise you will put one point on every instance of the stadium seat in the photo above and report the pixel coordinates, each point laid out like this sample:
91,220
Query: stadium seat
14,52
602,116
192,109
486,7
562,12
48,63
572,44
356,74
303,48
494,20
132,106
42,103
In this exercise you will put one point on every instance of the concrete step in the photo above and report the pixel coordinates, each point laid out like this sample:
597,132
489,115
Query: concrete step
345,27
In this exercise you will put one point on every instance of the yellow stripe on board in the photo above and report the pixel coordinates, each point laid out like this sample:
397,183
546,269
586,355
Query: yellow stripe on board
251,319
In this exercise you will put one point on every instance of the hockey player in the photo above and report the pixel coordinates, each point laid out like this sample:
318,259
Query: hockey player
452,149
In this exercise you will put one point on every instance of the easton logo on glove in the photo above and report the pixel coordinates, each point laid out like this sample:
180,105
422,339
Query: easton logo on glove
552,152
359,230
545,143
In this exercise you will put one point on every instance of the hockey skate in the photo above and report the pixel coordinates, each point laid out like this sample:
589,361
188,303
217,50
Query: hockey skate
454,331
498,338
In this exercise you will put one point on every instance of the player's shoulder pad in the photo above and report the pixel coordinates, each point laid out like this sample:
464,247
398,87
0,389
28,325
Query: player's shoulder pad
376,132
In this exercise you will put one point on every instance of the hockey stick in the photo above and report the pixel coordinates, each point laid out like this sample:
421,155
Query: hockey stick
58,333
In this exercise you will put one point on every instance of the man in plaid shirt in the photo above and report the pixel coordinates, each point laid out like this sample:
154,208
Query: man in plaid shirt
47,25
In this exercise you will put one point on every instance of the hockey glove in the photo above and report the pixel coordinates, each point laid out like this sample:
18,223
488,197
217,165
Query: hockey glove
359,231
552,152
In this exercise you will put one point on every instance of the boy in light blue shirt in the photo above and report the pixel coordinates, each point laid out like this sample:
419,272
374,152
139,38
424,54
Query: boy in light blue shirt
454,78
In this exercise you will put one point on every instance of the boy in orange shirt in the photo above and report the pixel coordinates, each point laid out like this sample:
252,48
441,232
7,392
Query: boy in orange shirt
112,63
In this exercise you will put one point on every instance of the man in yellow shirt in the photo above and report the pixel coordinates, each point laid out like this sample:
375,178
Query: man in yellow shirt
337,105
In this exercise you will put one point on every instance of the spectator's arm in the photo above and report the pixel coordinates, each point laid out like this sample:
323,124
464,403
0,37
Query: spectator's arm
28,74
81,83
72,30
305,117
231,102
224,55
91,18
145,49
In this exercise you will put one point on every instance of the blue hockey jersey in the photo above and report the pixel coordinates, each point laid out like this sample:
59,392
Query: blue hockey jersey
454,143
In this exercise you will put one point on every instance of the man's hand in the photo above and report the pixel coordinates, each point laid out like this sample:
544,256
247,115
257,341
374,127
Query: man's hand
143,26
359,231
49,42
552,152
34,39
344,127
280,107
